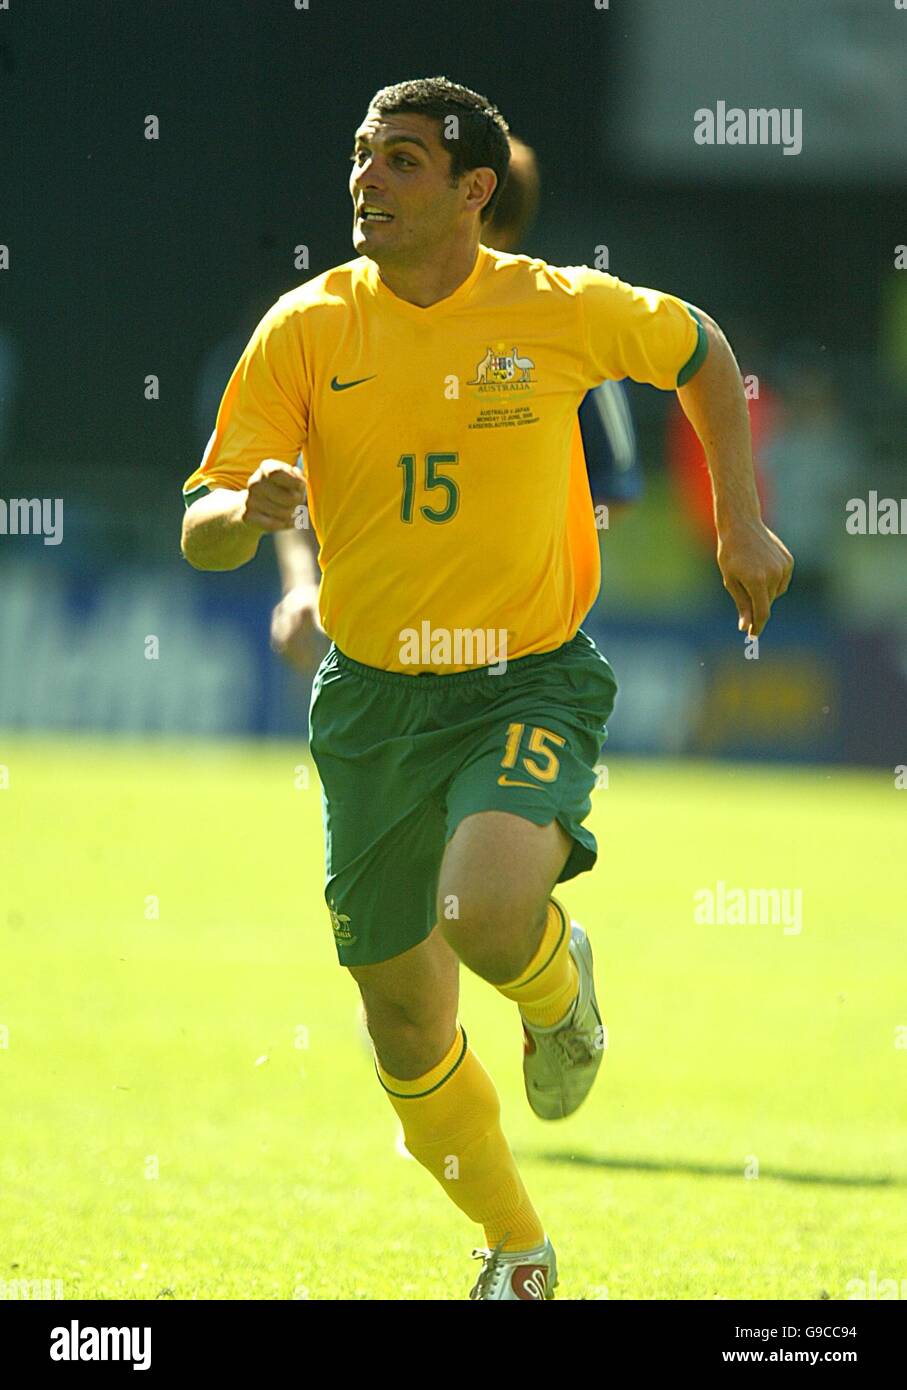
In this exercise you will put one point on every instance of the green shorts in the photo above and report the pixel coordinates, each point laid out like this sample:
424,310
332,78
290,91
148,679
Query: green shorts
404,758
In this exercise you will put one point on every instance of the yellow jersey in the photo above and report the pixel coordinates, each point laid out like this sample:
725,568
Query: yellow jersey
439,444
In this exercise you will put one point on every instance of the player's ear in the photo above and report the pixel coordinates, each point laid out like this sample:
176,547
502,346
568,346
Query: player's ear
482,183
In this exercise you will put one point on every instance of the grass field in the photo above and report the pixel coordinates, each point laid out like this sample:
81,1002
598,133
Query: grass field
147,1151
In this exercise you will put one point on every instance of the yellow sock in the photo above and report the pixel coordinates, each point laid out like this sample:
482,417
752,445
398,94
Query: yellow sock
451,1124
548,986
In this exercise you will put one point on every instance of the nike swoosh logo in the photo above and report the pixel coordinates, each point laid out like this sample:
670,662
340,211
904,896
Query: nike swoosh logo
345,385
506,782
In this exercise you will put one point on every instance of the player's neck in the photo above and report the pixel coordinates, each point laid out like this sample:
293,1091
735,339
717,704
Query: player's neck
427,283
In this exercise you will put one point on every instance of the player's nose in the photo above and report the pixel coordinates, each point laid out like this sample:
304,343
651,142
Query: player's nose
367,177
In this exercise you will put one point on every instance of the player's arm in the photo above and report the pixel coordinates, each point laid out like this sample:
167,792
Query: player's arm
296,559
296,630
243,486
755,565
221,530
657,338
610,448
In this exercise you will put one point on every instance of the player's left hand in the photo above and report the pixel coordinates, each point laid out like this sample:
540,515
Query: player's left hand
756,568
296,631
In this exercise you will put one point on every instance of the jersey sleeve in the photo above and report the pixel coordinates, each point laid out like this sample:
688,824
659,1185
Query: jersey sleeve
644,334
264,411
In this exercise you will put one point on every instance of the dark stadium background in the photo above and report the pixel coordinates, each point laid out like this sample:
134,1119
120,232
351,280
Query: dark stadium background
130,257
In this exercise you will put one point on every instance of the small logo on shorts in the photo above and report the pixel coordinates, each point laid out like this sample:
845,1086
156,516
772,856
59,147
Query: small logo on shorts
508,782
340,926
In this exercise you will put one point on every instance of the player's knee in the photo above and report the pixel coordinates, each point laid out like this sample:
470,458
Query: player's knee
407,1017
495,935
390,1017
405,1048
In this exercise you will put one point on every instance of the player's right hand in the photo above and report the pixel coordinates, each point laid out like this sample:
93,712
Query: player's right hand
272,496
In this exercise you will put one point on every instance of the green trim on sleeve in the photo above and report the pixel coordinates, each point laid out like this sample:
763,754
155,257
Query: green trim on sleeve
195,494
700,352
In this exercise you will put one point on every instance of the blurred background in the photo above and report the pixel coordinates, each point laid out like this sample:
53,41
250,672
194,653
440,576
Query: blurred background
137,268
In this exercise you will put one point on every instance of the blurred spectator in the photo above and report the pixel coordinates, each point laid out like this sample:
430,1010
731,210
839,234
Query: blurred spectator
812,463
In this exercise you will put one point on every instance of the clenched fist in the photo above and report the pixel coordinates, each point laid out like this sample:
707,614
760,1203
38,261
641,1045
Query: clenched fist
274,493
756,568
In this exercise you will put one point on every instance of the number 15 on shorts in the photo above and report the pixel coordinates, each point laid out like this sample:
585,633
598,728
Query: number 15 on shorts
544,766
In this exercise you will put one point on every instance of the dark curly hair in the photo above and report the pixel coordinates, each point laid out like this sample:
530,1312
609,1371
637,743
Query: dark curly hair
482,133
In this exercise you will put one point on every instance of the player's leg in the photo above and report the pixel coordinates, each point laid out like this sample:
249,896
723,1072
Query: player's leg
494,891
515,828
445,1099
411,1006
499,870
383,754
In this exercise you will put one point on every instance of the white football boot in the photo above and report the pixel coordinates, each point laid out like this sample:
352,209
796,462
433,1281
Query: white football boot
561,1063
516,1274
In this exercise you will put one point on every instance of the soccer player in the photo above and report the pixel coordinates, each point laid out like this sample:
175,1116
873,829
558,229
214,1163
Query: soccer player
432,385
604,441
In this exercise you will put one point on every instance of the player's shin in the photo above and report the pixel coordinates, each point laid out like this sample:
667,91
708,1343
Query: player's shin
451,1124
547,988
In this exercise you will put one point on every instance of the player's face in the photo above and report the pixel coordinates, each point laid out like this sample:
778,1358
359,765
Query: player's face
401,169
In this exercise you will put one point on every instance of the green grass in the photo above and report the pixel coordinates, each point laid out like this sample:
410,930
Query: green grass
131,1038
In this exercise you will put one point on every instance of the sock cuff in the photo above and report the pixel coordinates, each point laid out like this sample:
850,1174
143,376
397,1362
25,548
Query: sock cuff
424,1085
557,928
